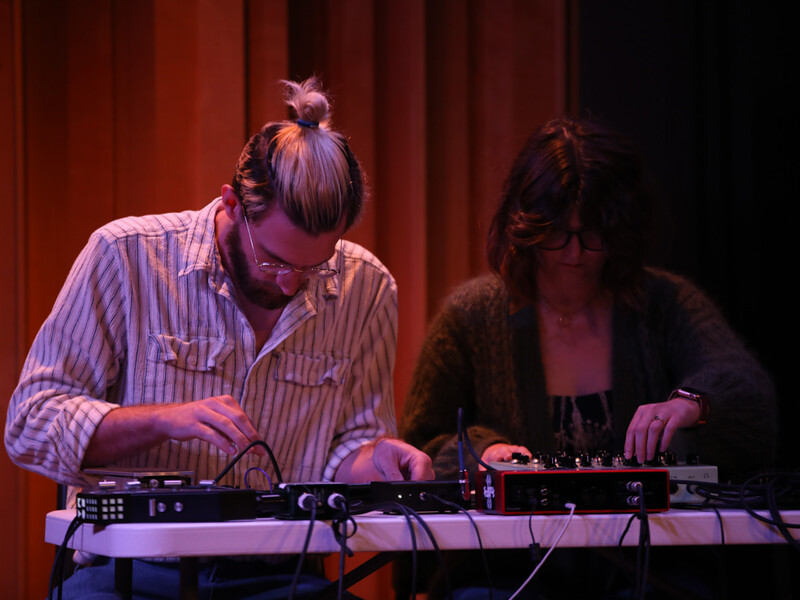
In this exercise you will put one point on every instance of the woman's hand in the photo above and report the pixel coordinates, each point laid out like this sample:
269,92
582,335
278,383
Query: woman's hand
502,453
658,422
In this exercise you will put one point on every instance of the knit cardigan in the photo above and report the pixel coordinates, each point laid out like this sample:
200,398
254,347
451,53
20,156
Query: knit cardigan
479,357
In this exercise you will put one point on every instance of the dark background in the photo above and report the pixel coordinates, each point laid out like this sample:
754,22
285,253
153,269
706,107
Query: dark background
707,92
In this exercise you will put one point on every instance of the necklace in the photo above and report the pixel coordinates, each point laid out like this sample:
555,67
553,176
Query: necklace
565,319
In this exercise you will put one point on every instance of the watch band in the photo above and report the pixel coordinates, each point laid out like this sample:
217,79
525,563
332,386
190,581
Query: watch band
694,396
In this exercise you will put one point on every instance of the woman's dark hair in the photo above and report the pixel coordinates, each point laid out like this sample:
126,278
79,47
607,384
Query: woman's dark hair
567,165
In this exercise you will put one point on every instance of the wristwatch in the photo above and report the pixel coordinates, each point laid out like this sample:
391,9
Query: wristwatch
694,396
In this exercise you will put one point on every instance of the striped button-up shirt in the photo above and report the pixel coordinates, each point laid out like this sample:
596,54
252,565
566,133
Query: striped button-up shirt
148,316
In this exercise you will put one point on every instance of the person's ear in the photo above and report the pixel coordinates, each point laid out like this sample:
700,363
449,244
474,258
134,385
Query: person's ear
230,202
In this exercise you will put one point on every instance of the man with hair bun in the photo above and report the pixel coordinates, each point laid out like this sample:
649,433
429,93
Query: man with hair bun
180,339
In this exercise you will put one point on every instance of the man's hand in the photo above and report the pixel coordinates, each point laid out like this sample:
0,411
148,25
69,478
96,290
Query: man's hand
386,459
125,431
656,422
218,420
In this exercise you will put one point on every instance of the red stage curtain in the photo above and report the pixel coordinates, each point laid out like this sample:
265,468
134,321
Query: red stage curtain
111,108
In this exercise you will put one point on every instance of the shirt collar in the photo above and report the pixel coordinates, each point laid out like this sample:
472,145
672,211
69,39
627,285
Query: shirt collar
201,253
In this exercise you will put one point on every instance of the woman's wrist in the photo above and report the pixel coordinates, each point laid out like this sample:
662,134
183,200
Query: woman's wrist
696,396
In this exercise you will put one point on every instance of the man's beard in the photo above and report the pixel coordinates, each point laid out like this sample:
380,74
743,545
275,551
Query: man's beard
266,294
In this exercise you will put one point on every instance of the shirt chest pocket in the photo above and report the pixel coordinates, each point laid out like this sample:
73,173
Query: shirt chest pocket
198,354
312,371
